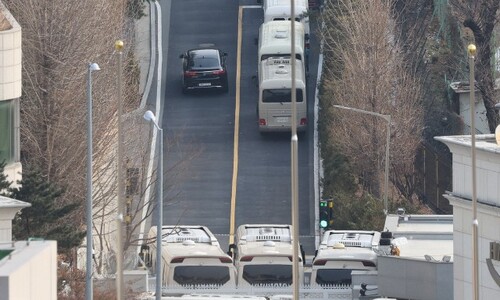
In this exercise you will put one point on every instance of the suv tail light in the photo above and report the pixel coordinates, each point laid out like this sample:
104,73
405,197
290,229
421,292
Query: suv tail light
190,74
219,72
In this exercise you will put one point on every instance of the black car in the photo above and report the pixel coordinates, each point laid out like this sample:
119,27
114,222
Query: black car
204,68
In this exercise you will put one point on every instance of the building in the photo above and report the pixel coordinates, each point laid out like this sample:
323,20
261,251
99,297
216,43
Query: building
423,268
488,215
10,92
28,269
461,102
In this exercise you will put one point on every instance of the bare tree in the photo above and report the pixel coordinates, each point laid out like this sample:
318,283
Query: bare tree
366,70
481,16
60,38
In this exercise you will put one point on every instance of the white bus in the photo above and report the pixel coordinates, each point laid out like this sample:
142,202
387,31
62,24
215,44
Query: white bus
279,10
274,107
275,41
191,256
342,252
263,255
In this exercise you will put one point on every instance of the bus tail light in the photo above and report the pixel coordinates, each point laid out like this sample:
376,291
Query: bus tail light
303,121
367,263
262,122
224,259
177,260
246,258
320,262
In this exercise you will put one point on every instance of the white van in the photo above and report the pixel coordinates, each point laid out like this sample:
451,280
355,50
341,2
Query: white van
191,256
342,252
279,10
274,107
275,40
263,255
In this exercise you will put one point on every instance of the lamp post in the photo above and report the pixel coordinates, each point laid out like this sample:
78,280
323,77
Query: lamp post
149,116
89,269
471,50
119,175
388,140
294,160
119,158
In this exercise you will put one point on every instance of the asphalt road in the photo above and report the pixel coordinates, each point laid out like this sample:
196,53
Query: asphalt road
199,131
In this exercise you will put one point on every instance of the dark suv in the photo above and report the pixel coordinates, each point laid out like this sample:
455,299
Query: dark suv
204,68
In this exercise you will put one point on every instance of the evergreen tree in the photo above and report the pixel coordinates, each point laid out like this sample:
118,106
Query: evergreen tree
4,183
45,217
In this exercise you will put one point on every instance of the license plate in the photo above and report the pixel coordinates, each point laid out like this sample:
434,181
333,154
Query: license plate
204,84
282,119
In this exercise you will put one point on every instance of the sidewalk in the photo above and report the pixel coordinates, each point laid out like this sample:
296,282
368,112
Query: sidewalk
143,44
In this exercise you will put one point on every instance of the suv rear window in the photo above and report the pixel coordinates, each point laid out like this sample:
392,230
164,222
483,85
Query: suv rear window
203,61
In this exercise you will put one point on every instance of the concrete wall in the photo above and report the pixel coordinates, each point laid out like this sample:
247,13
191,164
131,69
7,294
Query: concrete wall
414,279
30,273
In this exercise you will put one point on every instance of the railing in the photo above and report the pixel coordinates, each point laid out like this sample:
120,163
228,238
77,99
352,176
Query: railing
283,292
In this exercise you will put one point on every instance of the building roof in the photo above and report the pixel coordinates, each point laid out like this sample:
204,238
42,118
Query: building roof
422,237
6,202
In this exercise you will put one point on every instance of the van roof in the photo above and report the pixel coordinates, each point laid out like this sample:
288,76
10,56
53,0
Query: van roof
348,245
351,238
276,73
275,38
301,6
264,240
188,241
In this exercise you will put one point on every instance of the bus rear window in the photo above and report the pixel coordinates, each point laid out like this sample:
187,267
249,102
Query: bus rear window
285,55
201,275
333,276
280,95
268,274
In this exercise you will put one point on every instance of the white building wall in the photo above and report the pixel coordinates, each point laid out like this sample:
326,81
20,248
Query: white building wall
30,273
488,212
10,79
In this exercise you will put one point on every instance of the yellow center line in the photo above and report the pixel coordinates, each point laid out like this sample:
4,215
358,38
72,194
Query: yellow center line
236,130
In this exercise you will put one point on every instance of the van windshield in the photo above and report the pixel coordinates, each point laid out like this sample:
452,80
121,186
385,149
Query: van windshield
201,275
280,95
268,274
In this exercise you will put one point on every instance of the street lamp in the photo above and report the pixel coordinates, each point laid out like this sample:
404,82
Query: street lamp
471,50
149,116
294,161
388,140
89,270
119,174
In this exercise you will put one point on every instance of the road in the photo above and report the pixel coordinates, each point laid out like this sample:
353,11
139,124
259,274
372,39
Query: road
208,168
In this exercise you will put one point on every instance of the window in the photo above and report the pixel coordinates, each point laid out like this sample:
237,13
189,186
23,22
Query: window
201,275
333,276
286,55
268,274
280,95
7,131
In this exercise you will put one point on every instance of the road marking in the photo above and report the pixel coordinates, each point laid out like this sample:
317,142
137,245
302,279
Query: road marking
236,130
